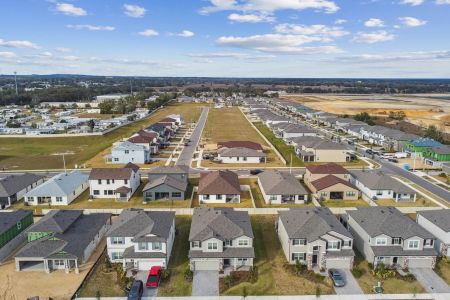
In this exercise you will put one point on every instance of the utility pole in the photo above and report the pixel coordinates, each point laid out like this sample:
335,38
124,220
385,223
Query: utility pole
64,162
15,80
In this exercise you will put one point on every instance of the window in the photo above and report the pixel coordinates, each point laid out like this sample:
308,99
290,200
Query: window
58,263
347,244
156,246
298,256
273,197
350,194
396,241
127,151
413,244
333,245
218,196
107,181
19,225
245,158
212,246
228,243
116,255
96,192
196,244
205,197
59,199
381,241
126,181
242,260
323,194
379,193
105,192
142,246
297,242
99,181
117,240
116,159
429,242
176,194
30,199
243,243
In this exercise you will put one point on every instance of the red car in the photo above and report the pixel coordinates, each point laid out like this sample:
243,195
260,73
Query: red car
154,276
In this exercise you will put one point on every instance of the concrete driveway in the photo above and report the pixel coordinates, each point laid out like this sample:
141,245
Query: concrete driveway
148,293
430,280
205,283
351,285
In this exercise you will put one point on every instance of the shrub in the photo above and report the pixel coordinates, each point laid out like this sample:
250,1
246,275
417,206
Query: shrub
299,267
98,295
165,274
188,274
382,272
357,272
228,281
253,274
318,277
318,292
408,277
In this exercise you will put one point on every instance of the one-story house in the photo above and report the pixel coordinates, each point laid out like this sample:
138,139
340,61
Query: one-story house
14,187
281,188
219,187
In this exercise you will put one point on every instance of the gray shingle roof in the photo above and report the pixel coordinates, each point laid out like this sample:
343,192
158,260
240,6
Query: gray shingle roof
15,183
398,251
389,221
381,181
240,152
9,219
275,182
231,252
221,223
60,185
56,221
138,223
441,218
130,253
180,185
310,223
169,170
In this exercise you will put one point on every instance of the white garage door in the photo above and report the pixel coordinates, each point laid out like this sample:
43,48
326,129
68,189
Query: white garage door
335,263
420,262
146,265
206,265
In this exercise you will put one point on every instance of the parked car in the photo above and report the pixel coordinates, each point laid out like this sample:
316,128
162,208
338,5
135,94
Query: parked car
369,151
336,277
255,171
136,290
394,160
186,144
154,277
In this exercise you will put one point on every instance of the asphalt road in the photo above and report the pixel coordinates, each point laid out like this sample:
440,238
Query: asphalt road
186,154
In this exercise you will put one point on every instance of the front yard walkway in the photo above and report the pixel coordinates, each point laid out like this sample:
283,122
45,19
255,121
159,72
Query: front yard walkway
430,280
205,283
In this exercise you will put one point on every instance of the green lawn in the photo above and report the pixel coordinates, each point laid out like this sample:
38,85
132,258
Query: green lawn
443,269
391,286
177,286
344,203
420,202
43,153
274,278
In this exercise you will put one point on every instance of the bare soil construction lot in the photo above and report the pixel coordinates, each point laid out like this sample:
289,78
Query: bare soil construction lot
421,110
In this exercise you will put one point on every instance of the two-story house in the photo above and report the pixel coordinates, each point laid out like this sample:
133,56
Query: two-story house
314,237
141,239
219,187
220,238
438,223
166,182
385,235
126,152
117,183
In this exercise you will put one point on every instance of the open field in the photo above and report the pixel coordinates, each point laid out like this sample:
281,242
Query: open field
419,109
58,285
45,153
97,116
274,277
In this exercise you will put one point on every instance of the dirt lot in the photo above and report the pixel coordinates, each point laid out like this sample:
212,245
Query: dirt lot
58,285
422,110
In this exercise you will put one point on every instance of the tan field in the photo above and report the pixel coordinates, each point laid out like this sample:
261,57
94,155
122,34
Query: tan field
421,110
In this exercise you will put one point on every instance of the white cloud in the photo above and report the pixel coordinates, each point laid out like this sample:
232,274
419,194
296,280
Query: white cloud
134,11
374,22
92,27
412,2
70,9
251,18
149,32
7,55
318,30
340,21
47,54
412,22
373,37
184,33
69,58
269,6
19,44
278,43
62,49
397,57
442,2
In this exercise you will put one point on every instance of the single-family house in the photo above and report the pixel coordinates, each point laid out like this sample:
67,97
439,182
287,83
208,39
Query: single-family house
61,189
384,235
219,187
127,152
166,182
377,185
117,183
421,145
240,144
330,182
14,187
147,139
13,223
141,239
437,222
322,151
281,188
220,238
314,237
435,156
240,155
62,240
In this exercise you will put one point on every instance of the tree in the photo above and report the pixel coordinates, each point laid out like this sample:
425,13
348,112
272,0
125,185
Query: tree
12,124
106,107
91,124
364,117
432,132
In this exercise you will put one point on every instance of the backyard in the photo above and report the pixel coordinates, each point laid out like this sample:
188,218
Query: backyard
46,153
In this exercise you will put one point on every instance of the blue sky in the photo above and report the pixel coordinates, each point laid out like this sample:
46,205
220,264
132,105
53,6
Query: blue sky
232,38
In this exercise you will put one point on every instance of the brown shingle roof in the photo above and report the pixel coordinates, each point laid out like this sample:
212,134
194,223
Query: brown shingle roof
219,182
147,134
330,180
140,139
113,173
167,120
330,168
240,144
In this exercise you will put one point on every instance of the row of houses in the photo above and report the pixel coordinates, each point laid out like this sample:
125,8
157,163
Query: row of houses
222,238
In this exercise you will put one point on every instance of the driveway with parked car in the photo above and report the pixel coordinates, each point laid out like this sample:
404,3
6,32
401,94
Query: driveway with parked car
430,280
205,283
148,292
351,286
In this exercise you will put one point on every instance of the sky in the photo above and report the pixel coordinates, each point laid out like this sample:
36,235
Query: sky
227,38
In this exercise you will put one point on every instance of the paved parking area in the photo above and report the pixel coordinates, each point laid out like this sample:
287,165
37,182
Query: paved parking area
205,283
148,293
430,280
351,285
